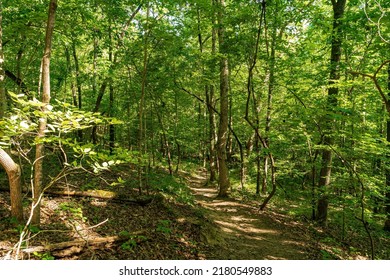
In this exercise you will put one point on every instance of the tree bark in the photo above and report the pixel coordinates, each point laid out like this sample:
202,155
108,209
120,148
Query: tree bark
165,142
40,148
72,83
56,248
78,85
251,94
3,97
325,172
210,100
141,144
223,180
387,193
212,133
10,167
14,178
111,127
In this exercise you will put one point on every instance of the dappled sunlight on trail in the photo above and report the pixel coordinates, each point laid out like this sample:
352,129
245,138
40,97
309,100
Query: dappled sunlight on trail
243,231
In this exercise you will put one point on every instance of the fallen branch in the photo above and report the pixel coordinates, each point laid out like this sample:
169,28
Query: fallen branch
80,243
64,245
101,194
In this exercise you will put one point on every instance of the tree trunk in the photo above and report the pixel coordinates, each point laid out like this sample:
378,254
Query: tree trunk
111,127
165,143
271,85
72,83
176,133
13,172
3,97
210,99
19,57
78,85
223,181
39,151
10,167
210,102
258,164
251,94
387,194
325,173
142,104
212,134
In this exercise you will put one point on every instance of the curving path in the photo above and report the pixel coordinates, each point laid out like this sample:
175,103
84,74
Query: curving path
244,232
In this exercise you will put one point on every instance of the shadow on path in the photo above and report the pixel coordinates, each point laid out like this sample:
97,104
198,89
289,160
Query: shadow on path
244,232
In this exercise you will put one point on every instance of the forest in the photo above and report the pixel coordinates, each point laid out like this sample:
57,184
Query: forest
204,129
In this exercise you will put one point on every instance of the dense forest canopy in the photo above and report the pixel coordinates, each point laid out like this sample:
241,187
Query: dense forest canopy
278,98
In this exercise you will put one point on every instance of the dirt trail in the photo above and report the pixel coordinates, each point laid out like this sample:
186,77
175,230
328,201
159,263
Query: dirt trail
243,232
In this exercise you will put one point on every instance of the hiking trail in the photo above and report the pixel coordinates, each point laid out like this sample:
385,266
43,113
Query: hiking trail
244,232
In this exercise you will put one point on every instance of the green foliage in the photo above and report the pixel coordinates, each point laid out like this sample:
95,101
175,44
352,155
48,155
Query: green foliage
129,245
20,227
325,255
44,256
164,226
170,186
73,209
132,240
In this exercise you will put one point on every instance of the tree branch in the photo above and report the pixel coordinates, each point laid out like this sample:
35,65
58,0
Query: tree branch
17,81
376,83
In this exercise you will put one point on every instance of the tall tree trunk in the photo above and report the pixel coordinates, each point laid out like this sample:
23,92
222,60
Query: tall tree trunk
210,100
167,147
212,133
325,172
40,148
94,63
387,194
251,94
111,127
271,84
210,103
141,143
3,97
78,85
10,167
223,180
96,109
72,83
78,81
19,57
176,132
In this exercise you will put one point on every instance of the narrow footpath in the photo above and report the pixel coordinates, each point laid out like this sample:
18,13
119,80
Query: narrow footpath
242,232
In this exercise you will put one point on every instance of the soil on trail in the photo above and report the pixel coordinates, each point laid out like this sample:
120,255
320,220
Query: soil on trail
244,232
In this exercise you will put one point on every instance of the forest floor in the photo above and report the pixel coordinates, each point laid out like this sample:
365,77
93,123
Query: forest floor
161,228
